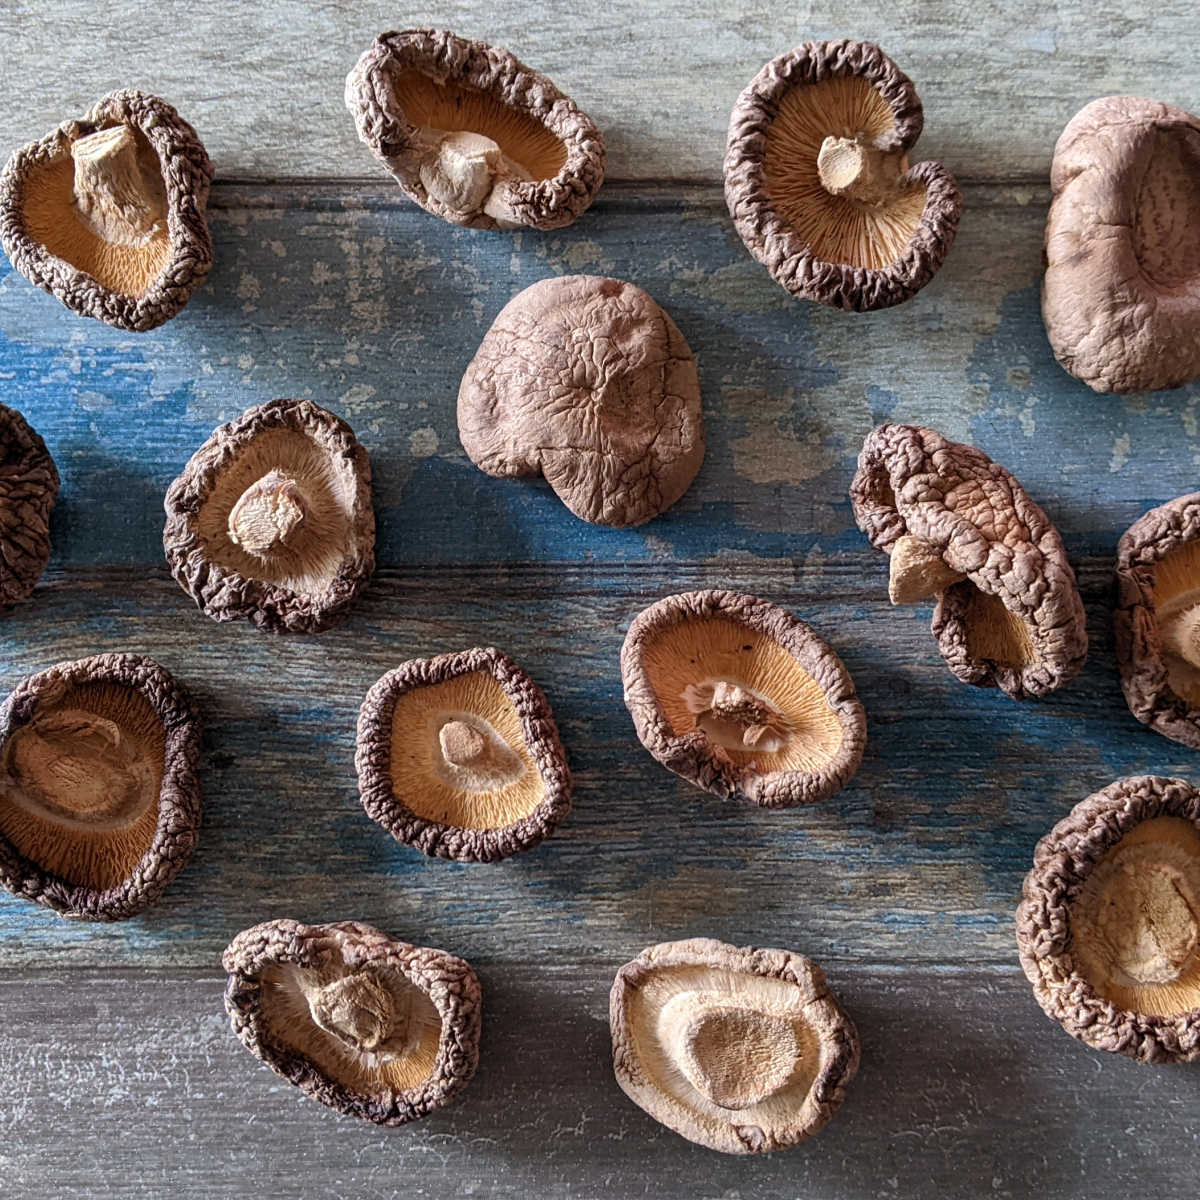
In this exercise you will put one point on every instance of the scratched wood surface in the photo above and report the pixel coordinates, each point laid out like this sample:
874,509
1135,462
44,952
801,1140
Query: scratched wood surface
122,1077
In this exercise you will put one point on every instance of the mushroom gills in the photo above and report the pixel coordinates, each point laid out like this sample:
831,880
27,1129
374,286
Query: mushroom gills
1177,614
994,634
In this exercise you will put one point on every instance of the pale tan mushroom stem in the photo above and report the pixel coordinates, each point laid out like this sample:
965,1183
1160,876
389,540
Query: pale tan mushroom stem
356,1009
853,168
463,745
735,705
113,193
268,514
1150,920
471,174
917,571
1180,632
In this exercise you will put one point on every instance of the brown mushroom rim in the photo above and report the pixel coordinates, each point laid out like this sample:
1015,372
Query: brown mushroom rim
847,200
1135,923
744,692
79,784
1177,614
459,755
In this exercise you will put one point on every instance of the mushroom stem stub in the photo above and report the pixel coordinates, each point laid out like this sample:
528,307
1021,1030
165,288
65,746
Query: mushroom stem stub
853,168
267,514
918,572
356,1009
112,191
462,744
1180,633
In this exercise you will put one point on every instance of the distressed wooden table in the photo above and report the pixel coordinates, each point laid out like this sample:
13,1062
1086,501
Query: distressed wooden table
120,1074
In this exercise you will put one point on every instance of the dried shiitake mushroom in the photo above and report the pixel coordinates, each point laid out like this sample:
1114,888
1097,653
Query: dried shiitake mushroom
372,1027
99,790
1109,923
742,699
1121,295
586,381
741,1050
107,212
28,489
271,519
471,134
818,183
961,529
459,756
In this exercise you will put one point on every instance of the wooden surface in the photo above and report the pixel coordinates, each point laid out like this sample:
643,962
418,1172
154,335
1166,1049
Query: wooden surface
121,1074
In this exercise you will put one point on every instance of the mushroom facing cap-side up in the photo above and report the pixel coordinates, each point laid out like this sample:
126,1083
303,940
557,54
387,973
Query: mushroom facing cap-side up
741,1050
472,134
372,1027
818,183
271,519
742,699
99,786
28,489
587,382
107,212
459,756
960,528
1121,295
1109,923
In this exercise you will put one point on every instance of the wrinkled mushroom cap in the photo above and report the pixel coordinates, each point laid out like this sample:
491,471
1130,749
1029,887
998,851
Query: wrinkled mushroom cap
959,527
99,790
459,756
1121,295
741,1050
742,699
108,212
1109,924
818,183
372,1027
588,382
271,519
472,134
28,489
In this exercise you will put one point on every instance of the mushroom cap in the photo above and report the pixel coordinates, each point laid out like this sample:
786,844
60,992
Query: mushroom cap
1016,621
306,584
28,489
1121,294
1114,886
134,287
410,88
99,786
281,976
426,796
588,382
741,1050
806,727
825,247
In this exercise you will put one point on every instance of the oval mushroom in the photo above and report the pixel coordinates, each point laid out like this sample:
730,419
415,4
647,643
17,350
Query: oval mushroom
741,1050
99,791
1121,294
459,756
367,1025
818,183
108,212
960,529
28,489
271,519
586,381
1109,923
742,699
472,134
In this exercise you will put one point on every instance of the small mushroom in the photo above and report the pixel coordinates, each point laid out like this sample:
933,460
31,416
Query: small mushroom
960,530
742,699
271,519
471,134
1109,923
818,183
28,489
586,381
459,756
741,1050
367,1025
99,791
1121,294
108,212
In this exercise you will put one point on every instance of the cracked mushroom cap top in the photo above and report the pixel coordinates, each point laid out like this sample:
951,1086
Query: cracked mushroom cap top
99,786
1121,294
108,212
28,489
459,756
587,381
742,699
271,519
472,134
818,183
960,528
370,1026
741,1050
1109,924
